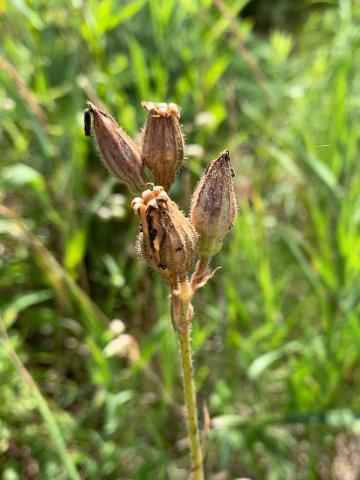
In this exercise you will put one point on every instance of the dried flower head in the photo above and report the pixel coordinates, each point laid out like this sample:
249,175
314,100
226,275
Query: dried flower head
168,239
120,154
213,205
162,141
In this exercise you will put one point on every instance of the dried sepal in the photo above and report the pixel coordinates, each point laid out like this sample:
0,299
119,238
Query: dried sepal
213,205
168,239
201,281
162,141
119,152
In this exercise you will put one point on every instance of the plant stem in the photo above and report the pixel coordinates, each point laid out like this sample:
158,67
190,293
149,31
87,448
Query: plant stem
183,323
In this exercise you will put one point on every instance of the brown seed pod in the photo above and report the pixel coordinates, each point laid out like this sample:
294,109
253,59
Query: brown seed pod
168,239
162,141
213,205
118,151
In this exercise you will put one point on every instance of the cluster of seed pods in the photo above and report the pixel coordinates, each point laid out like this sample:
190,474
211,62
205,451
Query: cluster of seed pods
168,237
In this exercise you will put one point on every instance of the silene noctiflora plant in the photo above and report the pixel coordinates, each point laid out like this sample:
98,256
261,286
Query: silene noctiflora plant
170,241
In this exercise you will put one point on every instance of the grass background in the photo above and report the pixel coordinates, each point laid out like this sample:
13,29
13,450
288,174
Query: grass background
276,332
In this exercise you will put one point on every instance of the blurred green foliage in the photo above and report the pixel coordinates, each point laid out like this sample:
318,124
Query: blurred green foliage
276,332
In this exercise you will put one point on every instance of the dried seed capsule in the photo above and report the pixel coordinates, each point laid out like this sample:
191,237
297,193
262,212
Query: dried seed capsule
162,141
213,205
168,239
118,151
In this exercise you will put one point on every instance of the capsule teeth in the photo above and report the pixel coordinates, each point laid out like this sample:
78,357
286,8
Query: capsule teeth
153,203
162,196
147,195
161,109
136,200
136,207
157,189
173,109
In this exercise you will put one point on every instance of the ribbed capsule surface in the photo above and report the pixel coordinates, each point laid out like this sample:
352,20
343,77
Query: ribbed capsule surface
213,206
168,239
118,151
162,141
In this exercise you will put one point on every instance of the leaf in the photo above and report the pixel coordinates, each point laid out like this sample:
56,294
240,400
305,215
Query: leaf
33,18
261,363
284,160
11,310
21,174
345,419
281,44
140,69
75,249
127,12
113,402
216,70
116,277
323,172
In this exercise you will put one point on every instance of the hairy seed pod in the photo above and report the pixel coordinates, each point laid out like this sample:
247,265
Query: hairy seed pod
118,151
168,239
213,206
162,141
